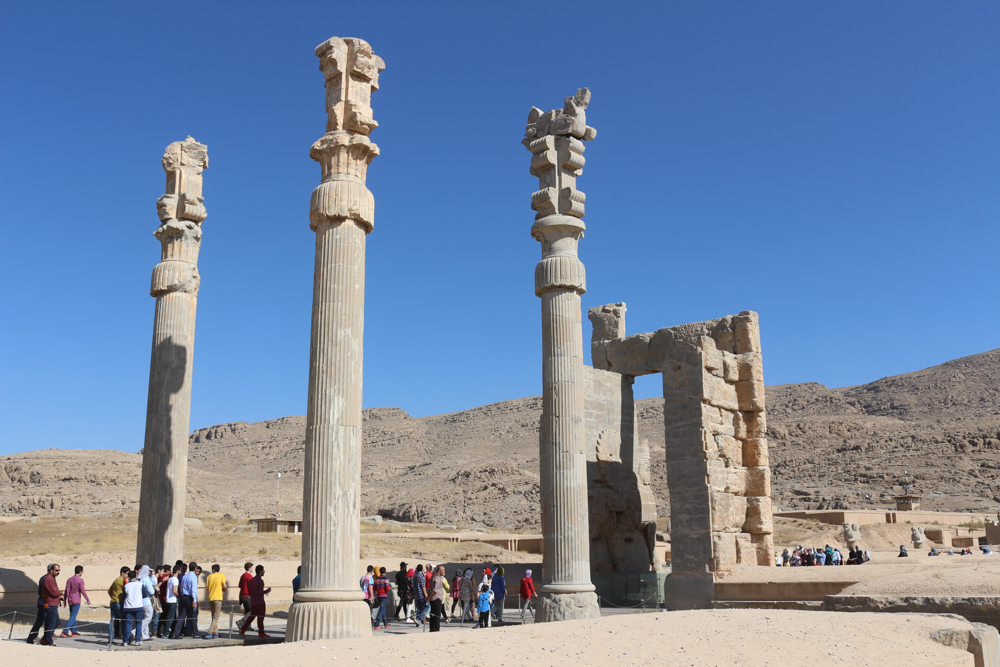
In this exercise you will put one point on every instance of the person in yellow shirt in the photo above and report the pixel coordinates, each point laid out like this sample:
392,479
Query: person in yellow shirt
216,583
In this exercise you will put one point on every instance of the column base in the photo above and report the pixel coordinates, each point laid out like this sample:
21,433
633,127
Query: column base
328,620
688,591
567,606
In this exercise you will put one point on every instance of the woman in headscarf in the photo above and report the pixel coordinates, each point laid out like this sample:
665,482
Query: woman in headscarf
527,594
148,591
467,593
455,593
499,589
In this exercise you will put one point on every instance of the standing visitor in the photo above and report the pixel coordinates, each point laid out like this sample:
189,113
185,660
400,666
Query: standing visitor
197,604
484,606
368,586
527,594
456,591
258,606
467,594
75,589
216,584
402,591
382,588
117,594
188,600
435,596
132,610
297,581
499,588
147,591
49,597
170,594
244,593
419,594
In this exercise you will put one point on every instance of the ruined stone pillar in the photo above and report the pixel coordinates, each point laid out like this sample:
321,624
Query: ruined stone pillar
555,140
168,410
330,604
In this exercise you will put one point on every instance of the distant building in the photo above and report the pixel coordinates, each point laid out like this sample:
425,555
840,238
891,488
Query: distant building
907,503
276,525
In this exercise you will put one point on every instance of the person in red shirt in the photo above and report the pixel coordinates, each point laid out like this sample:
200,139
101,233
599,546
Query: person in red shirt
49,597
244,592
258,607
527,594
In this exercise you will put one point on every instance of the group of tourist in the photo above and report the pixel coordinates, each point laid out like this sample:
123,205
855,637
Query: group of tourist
827,555
162,602
422,592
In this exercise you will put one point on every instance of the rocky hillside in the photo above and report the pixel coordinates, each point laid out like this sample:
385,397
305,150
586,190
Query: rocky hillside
479,467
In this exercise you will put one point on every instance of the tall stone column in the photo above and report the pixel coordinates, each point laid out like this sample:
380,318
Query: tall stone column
330,605
555,140
168,410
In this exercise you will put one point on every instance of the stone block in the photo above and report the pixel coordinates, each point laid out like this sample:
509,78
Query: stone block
728,512
720,393
689,589
718,421
686,444
758,515
607,321
750,394
723,551
756,423
628,355
718,475
755,452
764,546
730,367
747,332
758,481
737,481
750,366
739,425
714,363
981,640
730,450
746,550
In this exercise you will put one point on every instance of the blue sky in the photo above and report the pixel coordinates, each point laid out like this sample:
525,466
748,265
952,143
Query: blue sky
833,166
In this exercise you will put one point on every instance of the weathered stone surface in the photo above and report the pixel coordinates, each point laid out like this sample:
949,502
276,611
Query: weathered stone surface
567,606
329,605
852,534
174,284
981,640
918,537
555,140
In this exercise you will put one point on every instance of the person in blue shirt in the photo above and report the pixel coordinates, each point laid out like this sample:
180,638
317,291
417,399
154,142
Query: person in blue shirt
188,602
484,605
297,581
499,587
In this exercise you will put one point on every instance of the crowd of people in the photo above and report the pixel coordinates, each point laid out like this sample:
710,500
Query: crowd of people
827,555
422,595
162,602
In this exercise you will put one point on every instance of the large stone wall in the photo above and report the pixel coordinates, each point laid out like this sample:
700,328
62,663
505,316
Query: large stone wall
714,423
621,503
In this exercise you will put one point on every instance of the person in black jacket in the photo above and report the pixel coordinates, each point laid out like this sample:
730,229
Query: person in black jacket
402,590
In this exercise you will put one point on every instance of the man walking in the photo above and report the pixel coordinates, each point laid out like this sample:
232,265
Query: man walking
49,597
75,589
244,592
436,597
402,590
216,584
117,594
382,589
258,607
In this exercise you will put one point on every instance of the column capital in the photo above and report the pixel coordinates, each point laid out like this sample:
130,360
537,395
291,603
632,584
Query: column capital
183,162
555,139
351,70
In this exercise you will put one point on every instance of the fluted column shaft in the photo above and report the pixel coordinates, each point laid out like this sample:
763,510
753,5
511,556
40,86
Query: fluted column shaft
175,285
331,505
330,604
565,524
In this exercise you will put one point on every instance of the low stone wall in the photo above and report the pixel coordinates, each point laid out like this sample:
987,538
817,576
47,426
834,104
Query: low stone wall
783,591
975,609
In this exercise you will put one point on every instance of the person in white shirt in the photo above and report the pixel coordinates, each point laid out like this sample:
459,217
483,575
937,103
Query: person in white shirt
132,609
170,604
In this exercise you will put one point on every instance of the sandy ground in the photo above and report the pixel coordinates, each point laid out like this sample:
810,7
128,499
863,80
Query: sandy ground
702,638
